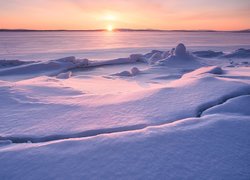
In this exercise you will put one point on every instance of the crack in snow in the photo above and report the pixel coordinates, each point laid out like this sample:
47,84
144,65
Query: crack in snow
88,133
222,101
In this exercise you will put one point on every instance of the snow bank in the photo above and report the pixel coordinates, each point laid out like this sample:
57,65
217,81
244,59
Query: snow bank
178,58
49,68
208,54
5,142
210,69
11,63
240,53
54,67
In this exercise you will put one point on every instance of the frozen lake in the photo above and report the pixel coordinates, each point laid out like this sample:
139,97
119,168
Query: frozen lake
108,45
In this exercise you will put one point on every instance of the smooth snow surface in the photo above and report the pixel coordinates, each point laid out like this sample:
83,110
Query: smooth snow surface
160,115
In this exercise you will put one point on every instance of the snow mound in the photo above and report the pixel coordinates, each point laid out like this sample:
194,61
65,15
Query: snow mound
179,57
135,71
180,50
166,57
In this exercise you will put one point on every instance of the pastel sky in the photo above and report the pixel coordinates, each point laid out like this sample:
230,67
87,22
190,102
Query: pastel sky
140,14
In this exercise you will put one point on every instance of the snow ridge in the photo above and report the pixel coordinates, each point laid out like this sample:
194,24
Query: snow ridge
96,132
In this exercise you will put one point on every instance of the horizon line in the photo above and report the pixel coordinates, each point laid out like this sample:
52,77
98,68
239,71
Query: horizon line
128,29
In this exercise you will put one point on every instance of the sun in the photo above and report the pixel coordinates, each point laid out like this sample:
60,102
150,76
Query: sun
110,28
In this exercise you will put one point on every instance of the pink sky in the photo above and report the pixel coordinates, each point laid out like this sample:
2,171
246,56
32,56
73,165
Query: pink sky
139,14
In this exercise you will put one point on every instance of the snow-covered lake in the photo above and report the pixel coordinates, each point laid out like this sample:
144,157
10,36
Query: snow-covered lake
156,114
108,45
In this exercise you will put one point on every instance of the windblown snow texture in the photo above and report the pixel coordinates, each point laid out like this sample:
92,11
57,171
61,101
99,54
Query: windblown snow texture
163,115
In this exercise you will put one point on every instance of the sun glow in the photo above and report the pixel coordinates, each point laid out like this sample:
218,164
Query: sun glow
110,17
110,28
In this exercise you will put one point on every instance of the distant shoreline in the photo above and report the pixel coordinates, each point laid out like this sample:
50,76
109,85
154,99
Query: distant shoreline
118,30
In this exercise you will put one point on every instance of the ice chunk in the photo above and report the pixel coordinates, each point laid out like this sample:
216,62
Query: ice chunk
67,59
215,70
155,57
165,54
123,73
136,57
180,50
65,75
135,71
